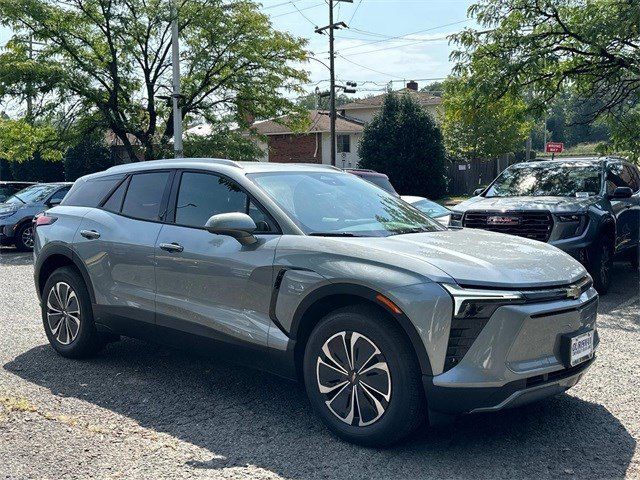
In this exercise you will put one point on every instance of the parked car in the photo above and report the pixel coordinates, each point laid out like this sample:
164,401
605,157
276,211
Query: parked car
377,178
17,212
9,188
312,273
590,208
436,211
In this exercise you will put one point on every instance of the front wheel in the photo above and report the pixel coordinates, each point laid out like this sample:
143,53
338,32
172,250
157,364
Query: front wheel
24,237
362,377
601,264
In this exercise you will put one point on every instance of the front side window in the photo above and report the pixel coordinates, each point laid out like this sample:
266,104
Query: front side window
202,195
59,195
618,176
341,204
557,179
344,143
144,195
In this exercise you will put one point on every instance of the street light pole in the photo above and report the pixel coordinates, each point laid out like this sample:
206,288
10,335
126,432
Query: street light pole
175,60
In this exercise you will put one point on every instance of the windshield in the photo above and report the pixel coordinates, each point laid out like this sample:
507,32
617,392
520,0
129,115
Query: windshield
432,209
34,194
338,204
558,179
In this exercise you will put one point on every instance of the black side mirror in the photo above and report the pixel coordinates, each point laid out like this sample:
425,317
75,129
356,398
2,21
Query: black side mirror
237,225
478,191
621,192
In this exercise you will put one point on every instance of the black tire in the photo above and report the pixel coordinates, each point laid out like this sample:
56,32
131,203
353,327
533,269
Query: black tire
404,403
601,263
80,340
24,240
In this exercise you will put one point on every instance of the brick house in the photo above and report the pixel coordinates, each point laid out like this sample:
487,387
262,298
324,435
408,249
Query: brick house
313,146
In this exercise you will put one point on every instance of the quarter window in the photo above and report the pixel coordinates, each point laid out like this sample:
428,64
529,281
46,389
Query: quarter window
60,194
144,195
203,195
90,193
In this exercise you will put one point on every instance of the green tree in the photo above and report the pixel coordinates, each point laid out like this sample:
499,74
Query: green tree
476,128
90,155
114,59
546,47
404,142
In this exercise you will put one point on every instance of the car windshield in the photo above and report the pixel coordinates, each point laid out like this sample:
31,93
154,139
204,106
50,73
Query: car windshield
558,179
432,209
335,204
34,194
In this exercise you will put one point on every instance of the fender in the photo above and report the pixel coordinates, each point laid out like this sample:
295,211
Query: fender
369,294
60,248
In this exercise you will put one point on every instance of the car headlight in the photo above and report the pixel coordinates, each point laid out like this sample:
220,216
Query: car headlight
476,303
7,214
571,224
455,219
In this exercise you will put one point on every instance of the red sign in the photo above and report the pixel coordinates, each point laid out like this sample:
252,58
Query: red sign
555,147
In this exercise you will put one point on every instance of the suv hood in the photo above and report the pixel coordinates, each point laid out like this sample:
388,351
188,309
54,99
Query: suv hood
472,257
551,204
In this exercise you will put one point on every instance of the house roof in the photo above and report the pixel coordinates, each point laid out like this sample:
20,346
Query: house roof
422,98
319,123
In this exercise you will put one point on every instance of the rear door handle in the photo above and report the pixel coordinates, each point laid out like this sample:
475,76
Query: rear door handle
90,234
172,247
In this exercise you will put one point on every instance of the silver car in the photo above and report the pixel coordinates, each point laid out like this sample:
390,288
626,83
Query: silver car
388,318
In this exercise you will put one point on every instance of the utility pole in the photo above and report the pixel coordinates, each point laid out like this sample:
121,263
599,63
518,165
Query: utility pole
176,97
29,86
332,87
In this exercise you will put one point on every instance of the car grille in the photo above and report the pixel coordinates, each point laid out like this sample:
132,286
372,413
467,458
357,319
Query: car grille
463,333
534,225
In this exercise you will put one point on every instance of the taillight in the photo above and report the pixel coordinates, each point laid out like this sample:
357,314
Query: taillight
43,219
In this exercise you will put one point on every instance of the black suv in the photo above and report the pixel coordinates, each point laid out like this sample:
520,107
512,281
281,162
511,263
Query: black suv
590,208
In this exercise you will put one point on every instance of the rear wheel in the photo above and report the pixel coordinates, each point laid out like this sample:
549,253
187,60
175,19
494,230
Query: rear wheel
362,377
68,317
24,237
601,264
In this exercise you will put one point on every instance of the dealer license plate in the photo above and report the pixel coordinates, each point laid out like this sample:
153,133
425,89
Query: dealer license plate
581,348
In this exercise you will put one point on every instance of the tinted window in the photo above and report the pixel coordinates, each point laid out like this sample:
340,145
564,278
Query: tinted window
554,179
144,195
618,176
91,192
628,175
114,203
636,174
202,195
59,195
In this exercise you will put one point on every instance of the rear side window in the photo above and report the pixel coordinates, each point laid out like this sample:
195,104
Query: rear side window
92,192
629,176
143,199
114,203
60,194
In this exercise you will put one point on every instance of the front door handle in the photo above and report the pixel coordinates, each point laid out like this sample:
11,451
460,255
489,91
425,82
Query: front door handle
90,234
172,247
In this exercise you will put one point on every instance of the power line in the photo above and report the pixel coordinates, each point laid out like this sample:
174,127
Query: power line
397,37
298,10
354,12
394,47
368,68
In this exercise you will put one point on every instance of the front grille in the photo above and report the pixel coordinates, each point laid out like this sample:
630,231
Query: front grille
534,225
464,332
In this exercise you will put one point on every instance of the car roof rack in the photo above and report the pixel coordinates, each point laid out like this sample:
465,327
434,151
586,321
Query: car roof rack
161,162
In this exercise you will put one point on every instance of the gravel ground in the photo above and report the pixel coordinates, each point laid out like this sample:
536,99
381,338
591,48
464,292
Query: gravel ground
142,411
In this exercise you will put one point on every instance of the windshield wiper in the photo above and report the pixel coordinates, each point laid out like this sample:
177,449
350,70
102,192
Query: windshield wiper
16,196
333,234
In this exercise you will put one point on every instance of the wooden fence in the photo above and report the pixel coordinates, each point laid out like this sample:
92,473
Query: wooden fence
465,177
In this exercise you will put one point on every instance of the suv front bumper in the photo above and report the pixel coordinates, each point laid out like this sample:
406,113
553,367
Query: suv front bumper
517,358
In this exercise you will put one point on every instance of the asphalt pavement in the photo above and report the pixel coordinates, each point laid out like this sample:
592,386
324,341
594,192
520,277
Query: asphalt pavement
144,411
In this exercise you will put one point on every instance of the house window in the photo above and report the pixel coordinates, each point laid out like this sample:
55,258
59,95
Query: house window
344,143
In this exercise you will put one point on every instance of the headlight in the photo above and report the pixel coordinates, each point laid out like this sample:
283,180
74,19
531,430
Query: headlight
475,303
571,225
7,214
455,219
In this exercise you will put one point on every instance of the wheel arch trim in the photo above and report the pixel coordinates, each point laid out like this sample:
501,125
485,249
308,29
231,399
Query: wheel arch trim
61,249
368,294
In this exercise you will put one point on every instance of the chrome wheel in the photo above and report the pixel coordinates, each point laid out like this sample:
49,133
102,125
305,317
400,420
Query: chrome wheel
27,237
63,313
354,378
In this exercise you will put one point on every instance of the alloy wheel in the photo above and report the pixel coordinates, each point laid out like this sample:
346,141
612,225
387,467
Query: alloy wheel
27,237
63,313
354,378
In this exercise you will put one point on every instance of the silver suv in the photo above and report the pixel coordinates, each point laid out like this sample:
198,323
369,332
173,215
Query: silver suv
306,271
